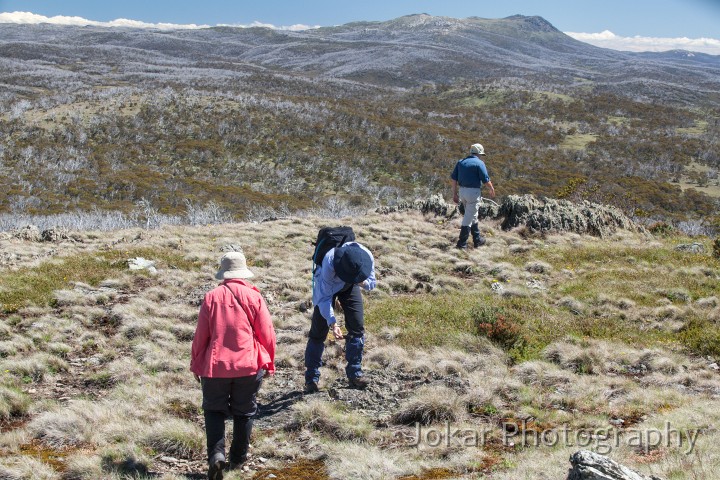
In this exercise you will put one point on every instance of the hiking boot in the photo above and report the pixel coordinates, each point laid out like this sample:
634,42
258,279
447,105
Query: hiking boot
360,383
234,465
462,241
478,240
311,387
217,465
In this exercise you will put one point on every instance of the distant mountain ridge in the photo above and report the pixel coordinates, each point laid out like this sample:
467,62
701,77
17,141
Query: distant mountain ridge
405,52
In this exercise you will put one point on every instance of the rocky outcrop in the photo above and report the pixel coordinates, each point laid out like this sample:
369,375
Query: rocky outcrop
435,205
55,234
30,233
587,465
538,215
550,215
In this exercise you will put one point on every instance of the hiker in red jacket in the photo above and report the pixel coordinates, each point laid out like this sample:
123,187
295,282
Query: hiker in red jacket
233,348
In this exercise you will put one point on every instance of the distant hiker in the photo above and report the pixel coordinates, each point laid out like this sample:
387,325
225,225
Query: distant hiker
470,174
233,348
340,274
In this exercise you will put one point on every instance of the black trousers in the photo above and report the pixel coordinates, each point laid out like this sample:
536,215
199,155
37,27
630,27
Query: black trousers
224,397
350,298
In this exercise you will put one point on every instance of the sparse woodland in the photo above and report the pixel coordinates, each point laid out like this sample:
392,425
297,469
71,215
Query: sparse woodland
145,128
131,151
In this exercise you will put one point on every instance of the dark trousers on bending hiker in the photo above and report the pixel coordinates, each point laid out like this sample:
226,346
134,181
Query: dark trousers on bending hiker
350,299
224,397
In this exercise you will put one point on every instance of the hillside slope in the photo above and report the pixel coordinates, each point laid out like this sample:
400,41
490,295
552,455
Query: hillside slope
407,51
252,123
547,333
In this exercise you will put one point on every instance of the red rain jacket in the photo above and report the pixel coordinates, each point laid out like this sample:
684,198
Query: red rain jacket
231,339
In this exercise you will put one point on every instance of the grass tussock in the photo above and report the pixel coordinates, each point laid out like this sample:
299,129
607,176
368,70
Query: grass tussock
368,462
124,461
27,468
175,437
332,420
13,402
430,405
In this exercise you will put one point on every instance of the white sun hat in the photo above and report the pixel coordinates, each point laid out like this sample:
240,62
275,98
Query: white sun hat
233,265
477,149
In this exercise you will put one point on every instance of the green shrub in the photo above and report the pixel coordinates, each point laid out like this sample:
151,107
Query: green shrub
495,324
661,229
701,337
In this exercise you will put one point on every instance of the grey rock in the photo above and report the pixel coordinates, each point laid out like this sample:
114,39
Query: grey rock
139,263
488,209
587,465
516,210
55,234
231,247
30,233
691,247
436,205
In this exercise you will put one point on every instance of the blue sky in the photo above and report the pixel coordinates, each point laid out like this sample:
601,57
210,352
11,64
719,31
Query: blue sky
659,19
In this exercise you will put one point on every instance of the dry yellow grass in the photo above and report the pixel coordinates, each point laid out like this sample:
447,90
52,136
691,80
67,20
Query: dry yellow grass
598,331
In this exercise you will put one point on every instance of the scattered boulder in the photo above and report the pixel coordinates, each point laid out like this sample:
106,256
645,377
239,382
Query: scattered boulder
587,465
139,263
55,234
691,247
435,204
550,215
30,233
231,247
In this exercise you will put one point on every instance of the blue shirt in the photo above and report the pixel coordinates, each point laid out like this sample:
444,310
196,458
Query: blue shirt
470,172
328,284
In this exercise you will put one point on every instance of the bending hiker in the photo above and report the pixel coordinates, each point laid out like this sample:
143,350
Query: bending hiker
470,174
233,348
340,275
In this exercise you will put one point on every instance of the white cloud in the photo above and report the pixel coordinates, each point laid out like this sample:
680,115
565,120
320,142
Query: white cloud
32,18
608,39
294,28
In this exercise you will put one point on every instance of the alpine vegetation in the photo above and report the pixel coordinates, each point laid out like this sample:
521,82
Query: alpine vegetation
608,343
232,253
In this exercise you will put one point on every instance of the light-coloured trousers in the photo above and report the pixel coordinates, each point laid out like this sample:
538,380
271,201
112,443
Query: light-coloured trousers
470,198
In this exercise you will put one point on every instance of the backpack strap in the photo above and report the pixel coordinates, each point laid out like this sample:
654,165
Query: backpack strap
243,308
